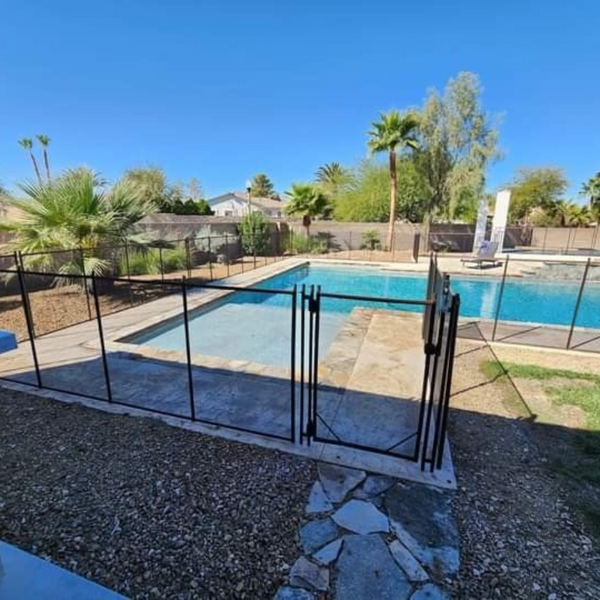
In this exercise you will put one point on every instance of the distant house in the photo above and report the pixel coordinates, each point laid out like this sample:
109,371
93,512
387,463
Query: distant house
237,204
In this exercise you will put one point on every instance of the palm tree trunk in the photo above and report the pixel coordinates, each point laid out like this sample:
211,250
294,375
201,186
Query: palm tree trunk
306,222
393,200
35,167
47,164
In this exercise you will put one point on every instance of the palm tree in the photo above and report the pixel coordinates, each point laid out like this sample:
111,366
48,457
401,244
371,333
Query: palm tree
393,132
27,144
72,212
306,201
332,176
591,189
44,141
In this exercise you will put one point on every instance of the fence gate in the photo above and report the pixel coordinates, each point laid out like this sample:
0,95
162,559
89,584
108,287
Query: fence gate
384,384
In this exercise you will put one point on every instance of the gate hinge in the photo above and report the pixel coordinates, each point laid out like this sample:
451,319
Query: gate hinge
312,305
430,349
310,429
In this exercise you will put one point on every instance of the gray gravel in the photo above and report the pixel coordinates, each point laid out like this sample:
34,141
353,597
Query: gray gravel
147,509
519,539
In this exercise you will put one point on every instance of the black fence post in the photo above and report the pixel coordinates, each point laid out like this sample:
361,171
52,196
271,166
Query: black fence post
128,267
188,351
302,356
29,322
253,248
416,246
210,268
578,302
188,262
21,265
293,366
227,253
160,259
500,298
455,311
87,292
101,333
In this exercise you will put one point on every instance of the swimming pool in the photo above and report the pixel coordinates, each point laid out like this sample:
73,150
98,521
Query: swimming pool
256,327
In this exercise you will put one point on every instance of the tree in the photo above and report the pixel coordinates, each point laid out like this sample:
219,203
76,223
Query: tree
27,144
194,189
254,232
394,132
457,141
332,177
591,189
366,198
76,211
535,188
44,141
262,187
567,214
306,201
150,183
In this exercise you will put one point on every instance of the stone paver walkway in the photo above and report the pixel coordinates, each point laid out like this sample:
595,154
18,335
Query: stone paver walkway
369,536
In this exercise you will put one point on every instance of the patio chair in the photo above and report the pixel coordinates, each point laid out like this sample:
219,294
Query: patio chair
485,254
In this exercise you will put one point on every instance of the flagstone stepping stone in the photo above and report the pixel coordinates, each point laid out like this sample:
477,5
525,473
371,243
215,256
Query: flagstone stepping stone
290,593
329,553
308,575
407,562
361,517
373,486
315,534
338,481
365,570
422,520
318,502
429,592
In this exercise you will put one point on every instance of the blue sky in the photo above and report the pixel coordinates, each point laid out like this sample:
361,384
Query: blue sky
222,90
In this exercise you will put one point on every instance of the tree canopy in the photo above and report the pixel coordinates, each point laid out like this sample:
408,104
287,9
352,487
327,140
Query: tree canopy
458,140
366,197
535,188
306,201
262,186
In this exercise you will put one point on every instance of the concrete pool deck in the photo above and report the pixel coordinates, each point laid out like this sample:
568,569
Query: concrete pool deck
378,393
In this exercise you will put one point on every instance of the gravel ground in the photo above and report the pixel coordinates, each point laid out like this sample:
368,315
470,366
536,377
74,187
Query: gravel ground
147,509
519,538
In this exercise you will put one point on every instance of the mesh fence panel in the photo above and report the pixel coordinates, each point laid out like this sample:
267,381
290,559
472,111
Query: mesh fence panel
70,358
15,364
148,369
586,332
538,306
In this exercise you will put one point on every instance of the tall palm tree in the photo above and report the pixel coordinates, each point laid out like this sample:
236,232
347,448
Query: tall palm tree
44,141
27,144
394,132
306,201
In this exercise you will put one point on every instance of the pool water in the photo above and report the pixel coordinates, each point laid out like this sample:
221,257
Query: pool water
256,327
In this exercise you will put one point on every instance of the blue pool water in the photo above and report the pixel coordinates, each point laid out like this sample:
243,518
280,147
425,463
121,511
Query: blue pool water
256,327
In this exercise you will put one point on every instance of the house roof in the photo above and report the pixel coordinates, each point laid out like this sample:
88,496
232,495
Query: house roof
268,203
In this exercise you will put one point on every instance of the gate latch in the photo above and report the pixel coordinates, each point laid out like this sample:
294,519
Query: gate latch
430,349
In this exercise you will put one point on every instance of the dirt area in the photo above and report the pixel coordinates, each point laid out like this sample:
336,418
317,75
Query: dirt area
57,307
521,534
146,509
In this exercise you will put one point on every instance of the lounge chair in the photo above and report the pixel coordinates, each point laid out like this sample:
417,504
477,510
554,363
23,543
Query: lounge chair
485,254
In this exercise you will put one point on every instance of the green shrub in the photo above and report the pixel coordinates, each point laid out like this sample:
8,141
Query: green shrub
174,259
300,244
371,240
141,262
254,233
